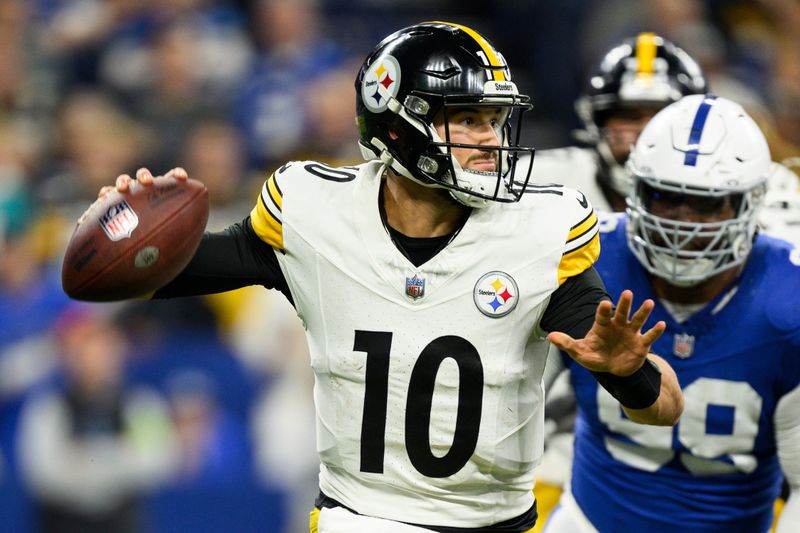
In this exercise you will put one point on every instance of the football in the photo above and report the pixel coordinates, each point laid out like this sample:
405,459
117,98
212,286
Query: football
129,244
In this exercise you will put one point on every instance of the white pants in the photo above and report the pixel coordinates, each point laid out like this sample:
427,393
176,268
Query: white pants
568,518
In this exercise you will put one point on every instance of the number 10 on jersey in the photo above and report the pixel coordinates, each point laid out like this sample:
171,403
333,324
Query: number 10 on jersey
377,345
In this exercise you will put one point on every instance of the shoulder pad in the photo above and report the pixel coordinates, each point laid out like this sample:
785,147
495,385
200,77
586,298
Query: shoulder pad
292,179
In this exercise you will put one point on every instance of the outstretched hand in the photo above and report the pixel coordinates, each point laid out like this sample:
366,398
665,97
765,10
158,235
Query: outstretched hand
143,176
614,344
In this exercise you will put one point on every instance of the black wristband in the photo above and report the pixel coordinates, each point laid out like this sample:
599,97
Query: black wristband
637,391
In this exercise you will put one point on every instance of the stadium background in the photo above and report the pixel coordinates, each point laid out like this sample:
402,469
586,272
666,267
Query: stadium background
221,435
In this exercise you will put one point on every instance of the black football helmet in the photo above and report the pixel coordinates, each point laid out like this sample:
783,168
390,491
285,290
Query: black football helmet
431,68
643,71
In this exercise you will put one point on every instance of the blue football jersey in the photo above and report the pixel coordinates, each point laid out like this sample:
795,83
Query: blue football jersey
717,470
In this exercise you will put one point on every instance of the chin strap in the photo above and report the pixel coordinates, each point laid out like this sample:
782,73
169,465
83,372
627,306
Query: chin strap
384,156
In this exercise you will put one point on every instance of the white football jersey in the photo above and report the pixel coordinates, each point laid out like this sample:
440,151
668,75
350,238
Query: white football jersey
428,388
571,166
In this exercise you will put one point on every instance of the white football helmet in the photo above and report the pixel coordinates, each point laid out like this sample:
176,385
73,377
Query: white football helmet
702,151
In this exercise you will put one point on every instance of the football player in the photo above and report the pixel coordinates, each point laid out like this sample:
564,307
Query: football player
633,81
429,285
728,296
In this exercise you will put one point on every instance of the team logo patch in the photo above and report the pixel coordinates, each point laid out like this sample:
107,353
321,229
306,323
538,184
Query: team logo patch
496,294
119,221
381,82
415,287
683,345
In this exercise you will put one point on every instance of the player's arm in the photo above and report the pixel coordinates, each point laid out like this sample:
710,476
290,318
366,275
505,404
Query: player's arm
584,324
224,261
228,260
787,438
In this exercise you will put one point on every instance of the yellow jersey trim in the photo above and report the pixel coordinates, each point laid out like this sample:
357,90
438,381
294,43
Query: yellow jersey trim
576,261
274,192
266,216
582,227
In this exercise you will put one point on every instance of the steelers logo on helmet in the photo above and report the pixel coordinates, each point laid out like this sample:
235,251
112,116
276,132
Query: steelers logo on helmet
381,82
496,294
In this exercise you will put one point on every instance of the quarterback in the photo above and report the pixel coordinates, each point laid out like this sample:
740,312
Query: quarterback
429,285
728,297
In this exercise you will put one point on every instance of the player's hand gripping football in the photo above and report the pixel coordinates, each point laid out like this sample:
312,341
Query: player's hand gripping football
143,176
614,344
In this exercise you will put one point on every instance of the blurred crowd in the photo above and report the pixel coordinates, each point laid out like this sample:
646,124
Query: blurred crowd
196,415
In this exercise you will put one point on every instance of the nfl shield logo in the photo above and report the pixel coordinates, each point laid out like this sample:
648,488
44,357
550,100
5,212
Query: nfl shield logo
119,221
683,345
415,287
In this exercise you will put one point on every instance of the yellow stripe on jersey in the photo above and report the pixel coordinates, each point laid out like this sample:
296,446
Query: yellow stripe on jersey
582,227
274,192
491,56
578,260
645,54
266,216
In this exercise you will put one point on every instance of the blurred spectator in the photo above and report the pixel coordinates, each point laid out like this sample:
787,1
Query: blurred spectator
30,289
213,444
30,299
293,49
331,135
187,79
282,424
12,61
90,447
214,153
95,138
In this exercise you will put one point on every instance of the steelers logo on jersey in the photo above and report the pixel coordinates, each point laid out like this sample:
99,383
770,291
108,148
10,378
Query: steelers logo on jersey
496,294
381,83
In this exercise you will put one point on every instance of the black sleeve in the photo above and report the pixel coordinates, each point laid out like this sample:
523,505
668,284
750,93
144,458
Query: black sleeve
573,305
233,258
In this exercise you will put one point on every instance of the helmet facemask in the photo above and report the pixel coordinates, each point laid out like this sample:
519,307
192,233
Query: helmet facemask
473,187
433,162
686,253
700,168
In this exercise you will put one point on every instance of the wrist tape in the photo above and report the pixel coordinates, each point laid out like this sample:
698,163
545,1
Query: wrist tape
637,391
